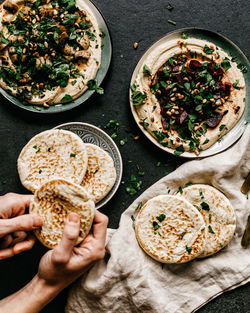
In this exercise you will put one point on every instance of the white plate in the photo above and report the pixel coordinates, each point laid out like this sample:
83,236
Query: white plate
92,134
235,133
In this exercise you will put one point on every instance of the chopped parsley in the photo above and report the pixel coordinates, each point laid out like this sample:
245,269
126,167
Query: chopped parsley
189,184
179,150
66,98
210,229
201,194
138,97
138,207
146,70
235,84
205,206
169,7
183,234
72,155
132,218
188,249
242,67
180,190
208,50
223,126
92,85
135,185
184,36
123,141
40,171
226,64
172,22
161,217
155,225
113,125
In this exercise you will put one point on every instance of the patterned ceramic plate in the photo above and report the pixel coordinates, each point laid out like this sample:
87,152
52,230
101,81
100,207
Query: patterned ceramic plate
218,40
92,134
105,62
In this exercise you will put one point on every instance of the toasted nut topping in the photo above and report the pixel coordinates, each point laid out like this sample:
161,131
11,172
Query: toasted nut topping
136,45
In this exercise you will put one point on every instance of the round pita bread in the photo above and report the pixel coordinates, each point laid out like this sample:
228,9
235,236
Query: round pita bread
53,201
100,175
50,155
170,229
218,214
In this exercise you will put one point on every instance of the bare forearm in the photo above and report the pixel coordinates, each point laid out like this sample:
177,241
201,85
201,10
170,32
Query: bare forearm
30,299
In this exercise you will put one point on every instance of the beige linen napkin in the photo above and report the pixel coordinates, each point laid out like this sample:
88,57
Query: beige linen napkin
129,281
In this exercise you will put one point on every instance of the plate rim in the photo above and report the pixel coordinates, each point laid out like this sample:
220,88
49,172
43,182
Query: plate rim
186,154
30,108
109,196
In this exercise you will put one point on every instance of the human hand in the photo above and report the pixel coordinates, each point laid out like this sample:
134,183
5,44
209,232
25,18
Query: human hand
65,263
14,224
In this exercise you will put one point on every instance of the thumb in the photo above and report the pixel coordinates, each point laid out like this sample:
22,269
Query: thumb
63,251
20,223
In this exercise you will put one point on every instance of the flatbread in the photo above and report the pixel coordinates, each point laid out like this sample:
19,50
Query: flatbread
180,236
53,201
100,175
219,217
52,154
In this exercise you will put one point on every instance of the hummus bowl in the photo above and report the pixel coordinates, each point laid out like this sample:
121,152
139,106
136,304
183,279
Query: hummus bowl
189,93
65,53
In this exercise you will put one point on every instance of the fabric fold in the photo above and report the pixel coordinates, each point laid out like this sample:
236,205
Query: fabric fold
129,281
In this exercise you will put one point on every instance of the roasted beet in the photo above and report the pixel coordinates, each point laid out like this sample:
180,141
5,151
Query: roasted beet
194,64
165,124
176,68
212,122
183,117
226,87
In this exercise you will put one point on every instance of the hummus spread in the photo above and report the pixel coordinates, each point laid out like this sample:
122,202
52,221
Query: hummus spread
188,94
50,51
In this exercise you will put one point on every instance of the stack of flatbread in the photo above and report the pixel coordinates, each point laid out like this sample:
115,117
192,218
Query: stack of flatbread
65,176
178,228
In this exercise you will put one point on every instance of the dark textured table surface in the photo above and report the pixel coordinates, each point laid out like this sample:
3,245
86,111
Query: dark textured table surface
128,21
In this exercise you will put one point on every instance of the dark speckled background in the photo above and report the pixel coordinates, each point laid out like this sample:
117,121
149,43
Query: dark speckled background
129,21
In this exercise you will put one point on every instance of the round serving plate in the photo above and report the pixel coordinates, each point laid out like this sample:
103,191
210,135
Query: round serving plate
105,63
231,49
92,134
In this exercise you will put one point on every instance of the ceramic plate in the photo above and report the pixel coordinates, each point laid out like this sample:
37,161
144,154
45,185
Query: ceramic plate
228,46
105,62
92,134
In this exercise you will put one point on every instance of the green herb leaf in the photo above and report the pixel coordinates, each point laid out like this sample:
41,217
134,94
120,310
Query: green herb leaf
205,206
242,67
222,127
40,171
123,141
201,194
235,84
208,50
146,70
132,218
172,22
180,190
92,85
139,205
184,36
66,98
206,141
179,150
137,97
226,64
72,155
155,225
169,7
183,234
188,249
161,217
210,229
